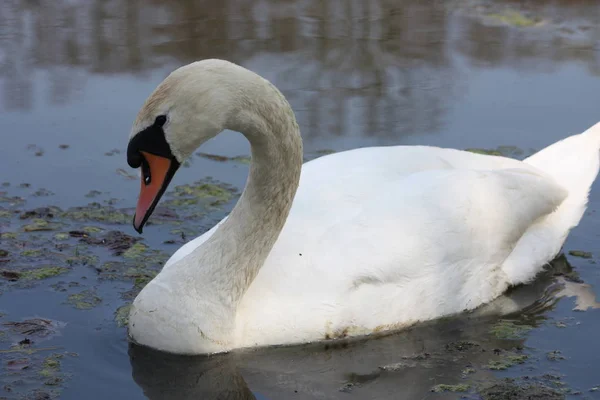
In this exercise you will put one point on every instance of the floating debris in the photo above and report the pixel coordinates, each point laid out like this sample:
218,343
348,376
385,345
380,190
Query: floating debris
38,327
118,242
43,193
93,193
112,152
554,355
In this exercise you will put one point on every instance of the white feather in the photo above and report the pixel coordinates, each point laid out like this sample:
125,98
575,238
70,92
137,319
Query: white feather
376,238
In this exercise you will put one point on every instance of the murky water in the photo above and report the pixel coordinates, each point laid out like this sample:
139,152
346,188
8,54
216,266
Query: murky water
465,74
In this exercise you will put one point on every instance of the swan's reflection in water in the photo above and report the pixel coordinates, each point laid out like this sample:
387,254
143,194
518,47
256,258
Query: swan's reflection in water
405,365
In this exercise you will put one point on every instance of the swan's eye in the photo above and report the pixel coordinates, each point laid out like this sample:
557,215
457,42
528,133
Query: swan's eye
160,120
146,171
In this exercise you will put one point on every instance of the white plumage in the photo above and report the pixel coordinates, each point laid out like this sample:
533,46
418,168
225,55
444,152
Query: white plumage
376,238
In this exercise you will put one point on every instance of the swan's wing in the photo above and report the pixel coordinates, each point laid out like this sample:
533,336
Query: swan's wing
428,244
434,218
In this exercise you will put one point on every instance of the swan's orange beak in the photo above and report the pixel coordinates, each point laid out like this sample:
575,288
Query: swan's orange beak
157,173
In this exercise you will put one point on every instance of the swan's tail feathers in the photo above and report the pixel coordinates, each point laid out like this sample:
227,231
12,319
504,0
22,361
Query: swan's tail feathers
573,163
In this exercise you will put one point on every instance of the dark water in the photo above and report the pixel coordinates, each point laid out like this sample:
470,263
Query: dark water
463,74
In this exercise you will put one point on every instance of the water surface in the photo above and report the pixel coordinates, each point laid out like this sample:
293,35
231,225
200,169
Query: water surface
465,74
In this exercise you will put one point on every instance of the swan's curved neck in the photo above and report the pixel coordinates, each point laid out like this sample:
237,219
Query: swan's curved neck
232,257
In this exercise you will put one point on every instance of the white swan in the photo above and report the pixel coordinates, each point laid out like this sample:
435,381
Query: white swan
374,239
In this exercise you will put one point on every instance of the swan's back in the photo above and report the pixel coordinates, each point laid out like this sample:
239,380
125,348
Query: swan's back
372,242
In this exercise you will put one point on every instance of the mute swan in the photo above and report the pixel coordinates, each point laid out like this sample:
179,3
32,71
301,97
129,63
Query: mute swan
353,243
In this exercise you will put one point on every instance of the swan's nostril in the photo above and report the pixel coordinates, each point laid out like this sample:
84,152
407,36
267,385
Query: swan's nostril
146,171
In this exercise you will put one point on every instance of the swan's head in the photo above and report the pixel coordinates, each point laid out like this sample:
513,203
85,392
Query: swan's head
192,105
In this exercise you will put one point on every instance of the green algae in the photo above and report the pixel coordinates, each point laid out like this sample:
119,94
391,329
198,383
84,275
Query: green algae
511,390
487,152
92,229
11,201
4,253
441,388
514,18
502,151
5,214
51,365
219,158
206,191
580,253
122,315
140,267
39,225
84,300
505,329
554,355
506,362
31,253
43,273
51,370
93,193
242,159
98,213
136,251
8,235
61,236
33,274
80,258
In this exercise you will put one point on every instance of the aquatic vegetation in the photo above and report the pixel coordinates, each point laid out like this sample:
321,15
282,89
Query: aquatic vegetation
554,355
135,251
461,387
98,213
84,300
51,370
38,224
219,158
510,389
122,315
515,18
8,235
37,327
505,329
484,151
504,151
125,174
116,241
507,361
43,273
205,192
242,159
461,346
93,193
580,253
